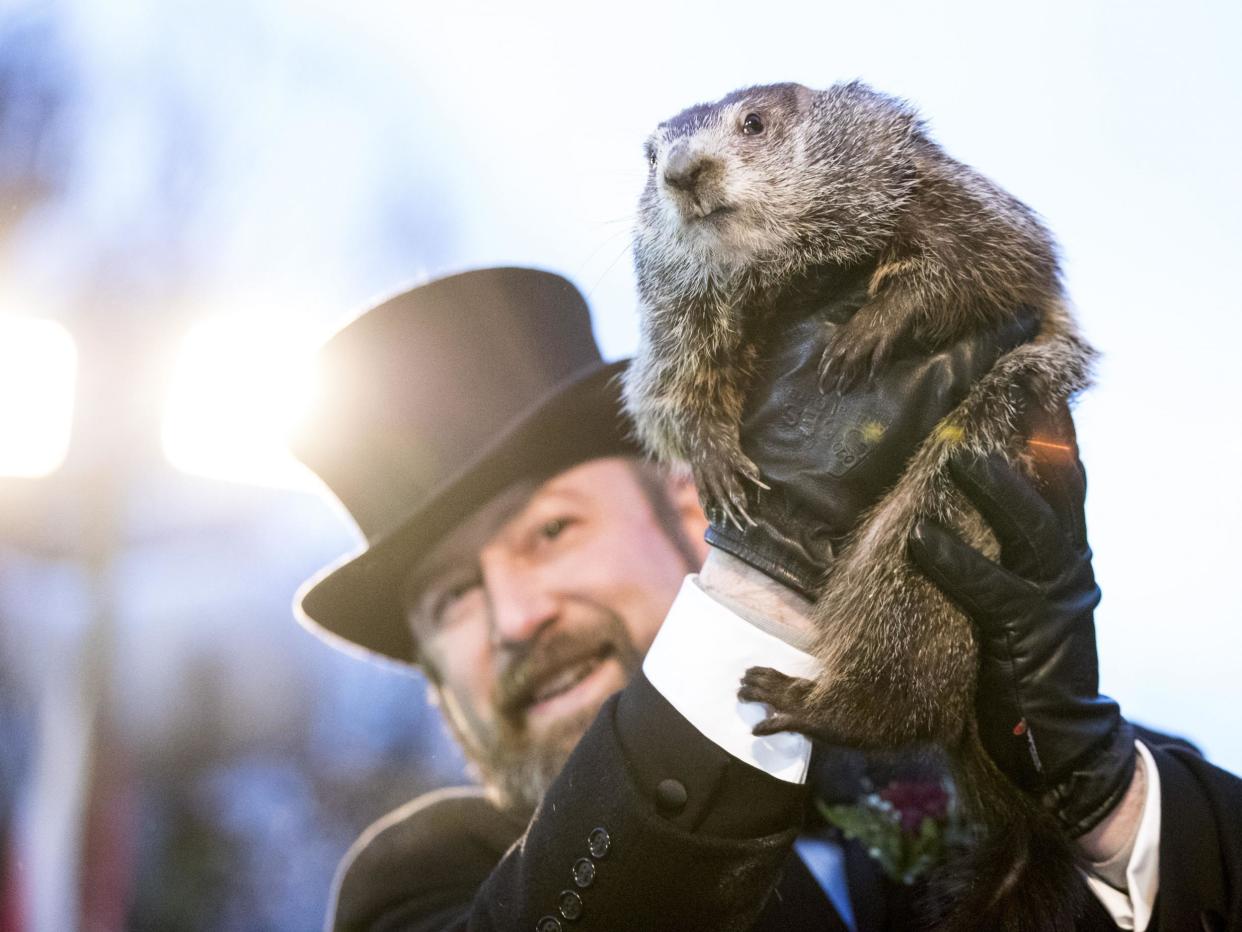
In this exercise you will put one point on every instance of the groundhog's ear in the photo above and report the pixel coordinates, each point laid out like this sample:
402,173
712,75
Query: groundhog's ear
804,97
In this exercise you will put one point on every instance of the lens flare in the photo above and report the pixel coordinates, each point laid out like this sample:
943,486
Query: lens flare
238,387
38,368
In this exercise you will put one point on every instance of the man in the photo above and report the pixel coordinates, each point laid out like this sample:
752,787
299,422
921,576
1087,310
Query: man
523,555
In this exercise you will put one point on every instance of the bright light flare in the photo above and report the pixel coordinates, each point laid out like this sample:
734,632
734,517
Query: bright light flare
38,368
238,388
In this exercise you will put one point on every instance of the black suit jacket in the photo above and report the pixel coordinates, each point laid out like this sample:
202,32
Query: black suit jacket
674,834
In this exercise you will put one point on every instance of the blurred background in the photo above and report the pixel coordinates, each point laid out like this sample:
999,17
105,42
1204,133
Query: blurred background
194,195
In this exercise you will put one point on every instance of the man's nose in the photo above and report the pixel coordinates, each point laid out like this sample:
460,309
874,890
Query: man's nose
521,606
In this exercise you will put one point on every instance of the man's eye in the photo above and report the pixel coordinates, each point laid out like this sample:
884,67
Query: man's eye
449,596
551,530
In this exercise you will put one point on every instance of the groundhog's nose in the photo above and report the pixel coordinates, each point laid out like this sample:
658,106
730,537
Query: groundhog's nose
683,168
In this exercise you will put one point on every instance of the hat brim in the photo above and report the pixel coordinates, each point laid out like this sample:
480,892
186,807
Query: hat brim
355,605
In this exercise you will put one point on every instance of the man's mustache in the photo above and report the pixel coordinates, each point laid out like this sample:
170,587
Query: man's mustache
521,677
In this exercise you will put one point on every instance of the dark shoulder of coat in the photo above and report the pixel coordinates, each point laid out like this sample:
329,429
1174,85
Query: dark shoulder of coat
428,858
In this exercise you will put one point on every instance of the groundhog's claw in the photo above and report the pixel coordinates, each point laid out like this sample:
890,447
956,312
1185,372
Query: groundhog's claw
855,353
722,491
748,469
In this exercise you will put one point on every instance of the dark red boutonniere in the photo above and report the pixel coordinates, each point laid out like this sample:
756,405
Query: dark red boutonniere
908,826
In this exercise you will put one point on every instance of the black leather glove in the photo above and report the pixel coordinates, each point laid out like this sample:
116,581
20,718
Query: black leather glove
829,456
1040,714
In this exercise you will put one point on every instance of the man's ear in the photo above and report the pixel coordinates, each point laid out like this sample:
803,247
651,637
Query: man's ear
684,495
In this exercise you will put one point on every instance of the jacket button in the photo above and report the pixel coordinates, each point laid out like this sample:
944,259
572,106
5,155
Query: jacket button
671,796
598,843
570,905
549,924
584,872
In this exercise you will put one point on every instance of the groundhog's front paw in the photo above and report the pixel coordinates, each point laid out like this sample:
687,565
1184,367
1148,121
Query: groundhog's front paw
788,697
722,487
855,353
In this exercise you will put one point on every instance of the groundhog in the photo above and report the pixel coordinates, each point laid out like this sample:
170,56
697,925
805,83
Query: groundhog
754,201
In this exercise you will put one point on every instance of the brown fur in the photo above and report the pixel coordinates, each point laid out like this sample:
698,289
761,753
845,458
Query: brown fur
847,176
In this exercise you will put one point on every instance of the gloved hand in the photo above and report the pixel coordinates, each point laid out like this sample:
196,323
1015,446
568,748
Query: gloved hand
1040,714
826,456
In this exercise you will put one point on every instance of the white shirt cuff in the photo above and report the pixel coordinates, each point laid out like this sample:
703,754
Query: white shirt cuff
697,661
1133,910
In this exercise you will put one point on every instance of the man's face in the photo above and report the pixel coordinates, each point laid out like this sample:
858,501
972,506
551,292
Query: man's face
541,605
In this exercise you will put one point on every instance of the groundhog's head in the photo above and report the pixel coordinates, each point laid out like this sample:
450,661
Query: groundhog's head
776,173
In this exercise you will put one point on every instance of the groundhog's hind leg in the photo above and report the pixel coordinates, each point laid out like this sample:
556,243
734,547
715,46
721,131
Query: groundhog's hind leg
788,696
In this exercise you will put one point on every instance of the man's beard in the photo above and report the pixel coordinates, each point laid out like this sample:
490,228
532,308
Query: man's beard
515,766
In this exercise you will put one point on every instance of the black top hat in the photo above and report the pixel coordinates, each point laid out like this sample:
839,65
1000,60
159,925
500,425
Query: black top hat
432,403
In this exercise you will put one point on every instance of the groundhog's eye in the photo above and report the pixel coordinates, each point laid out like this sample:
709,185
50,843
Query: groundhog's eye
752,125
651,157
